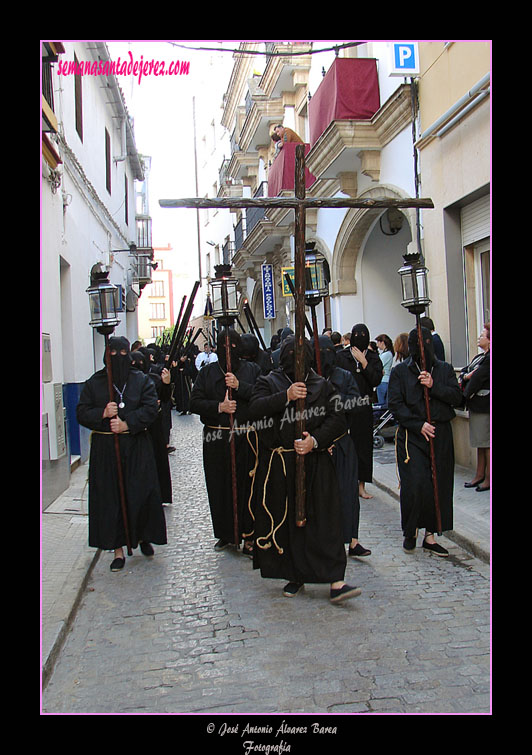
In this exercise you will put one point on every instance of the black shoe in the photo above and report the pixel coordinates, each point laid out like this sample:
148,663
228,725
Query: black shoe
170,449
146,548
291,589
435,548
221,545
344,593
359,551
117,564
409,544
473,484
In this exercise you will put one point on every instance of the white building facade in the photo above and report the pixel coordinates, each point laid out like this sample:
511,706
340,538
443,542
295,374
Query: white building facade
88,223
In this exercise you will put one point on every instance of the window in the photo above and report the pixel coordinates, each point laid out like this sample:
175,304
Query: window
78,98
107,161
157,288
157,311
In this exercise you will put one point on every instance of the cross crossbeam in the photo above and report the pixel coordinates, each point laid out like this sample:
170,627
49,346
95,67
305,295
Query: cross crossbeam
300,203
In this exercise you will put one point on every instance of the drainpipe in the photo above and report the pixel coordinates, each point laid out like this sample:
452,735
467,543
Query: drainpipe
413,96
468,99
123,156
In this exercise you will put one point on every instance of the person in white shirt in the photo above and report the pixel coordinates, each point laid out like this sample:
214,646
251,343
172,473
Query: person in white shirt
206,357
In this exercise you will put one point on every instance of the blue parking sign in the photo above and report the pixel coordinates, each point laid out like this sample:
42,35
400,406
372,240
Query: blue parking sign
405,59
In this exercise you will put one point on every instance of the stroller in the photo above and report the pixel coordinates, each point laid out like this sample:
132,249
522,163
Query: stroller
382,416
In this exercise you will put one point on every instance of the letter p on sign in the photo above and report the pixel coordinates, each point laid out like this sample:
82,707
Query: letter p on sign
405,59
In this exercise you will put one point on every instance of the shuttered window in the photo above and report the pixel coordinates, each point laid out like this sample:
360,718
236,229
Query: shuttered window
475,221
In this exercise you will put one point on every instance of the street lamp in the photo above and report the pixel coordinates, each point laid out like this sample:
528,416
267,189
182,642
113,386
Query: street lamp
102,303
414,284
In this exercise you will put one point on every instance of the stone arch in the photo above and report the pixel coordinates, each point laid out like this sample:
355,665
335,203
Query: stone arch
352,235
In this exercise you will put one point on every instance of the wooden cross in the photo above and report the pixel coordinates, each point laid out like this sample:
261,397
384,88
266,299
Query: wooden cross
300,204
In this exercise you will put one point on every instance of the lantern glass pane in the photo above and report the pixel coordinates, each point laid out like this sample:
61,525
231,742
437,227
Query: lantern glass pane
108,304
408,286
95,307
421,284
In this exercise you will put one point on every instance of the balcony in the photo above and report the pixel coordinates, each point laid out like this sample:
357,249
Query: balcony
143,231
281,176
348,127
349,91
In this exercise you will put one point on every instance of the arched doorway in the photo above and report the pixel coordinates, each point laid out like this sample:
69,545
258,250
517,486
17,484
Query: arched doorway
369,248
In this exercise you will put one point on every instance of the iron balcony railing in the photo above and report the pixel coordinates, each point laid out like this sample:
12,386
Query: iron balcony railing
256,214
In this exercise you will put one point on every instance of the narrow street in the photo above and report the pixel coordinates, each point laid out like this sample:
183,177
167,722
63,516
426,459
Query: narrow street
193,631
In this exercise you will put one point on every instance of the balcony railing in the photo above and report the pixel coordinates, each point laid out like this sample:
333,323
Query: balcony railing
281,175
239,234
255,214
143,231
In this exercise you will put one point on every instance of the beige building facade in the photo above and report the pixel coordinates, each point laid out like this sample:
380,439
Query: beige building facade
454,148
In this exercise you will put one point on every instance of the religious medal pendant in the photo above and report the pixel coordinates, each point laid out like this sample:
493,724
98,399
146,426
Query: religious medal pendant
121,394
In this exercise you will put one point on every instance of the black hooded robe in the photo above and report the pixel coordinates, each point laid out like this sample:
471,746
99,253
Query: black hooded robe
344,452
361,425
156,429
314,553
209,390
406,402
145,513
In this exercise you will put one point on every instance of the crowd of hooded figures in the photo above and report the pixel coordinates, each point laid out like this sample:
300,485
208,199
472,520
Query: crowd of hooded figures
250,409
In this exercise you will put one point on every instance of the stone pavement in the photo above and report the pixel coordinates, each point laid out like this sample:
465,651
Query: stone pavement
195,631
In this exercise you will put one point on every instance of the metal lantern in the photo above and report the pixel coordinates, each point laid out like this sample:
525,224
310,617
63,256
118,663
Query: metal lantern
224,295
414,284
102,303
317,276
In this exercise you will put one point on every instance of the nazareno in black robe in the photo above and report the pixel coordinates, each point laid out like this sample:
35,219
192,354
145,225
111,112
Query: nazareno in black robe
361,424
406,402
208,391
156,430
314,553
145,512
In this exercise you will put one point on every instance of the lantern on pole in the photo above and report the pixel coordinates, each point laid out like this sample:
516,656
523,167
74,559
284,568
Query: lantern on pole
414,284
415,299
225,311
102,303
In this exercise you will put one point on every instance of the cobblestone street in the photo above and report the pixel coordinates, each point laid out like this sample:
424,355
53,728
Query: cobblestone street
194,631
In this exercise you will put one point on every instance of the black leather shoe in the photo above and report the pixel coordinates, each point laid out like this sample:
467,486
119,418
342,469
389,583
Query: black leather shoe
435,548
344,593
146,548
409,544
473,484
481,489
291,589
117,564
359,551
